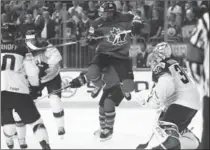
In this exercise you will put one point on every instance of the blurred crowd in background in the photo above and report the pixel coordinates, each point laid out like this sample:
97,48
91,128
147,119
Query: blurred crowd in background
61,21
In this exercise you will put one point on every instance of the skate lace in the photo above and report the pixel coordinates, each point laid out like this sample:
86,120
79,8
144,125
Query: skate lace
186,130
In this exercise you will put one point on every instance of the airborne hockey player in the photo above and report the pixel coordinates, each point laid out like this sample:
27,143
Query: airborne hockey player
16,64
176,96
110,34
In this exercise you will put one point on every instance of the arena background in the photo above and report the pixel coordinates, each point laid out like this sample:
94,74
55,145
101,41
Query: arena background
169,20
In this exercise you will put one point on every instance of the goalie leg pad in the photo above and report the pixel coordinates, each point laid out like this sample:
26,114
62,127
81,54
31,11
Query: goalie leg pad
168,135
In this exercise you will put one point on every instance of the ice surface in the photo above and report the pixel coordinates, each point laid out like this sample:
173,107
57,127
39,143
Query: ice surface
132,127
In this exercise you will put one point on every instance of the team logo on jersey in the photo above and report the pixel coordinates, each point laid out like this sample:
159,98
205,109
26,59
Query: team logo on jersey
117,37
68,92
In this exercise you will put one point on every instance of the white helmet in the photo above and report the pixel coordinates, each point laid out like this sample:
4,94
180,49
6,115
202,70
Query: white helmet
163,50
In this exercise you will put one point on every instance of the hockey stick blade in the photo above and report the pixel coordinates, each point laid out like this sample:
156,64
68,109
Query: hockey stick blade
143,146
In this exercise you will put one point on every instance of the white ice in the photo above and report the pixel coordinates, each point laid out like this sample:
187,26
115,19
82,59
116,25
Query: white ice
132,127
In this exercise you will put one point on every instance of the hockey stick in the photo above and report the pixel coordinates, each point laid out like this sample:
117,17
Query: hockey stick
54,92
142,146
29,44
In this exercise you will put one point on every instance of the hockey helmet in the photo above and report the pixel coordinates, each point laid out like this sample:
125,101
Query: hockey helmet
107,9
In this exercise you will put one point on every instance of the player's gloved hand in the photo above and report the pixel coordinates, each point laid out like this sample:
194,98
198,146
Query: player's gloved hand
78,81
42,67
93,39
35,92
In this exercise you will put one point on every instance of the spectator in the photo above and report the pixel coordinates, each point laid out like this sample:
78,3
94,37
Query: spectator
176,9
22,14
84,25
118,6
71,30
156,24
145,10
3,18
27,25
142,55
126,8
159,6
49,26
190,18
92,11
57,17
174,29
75,11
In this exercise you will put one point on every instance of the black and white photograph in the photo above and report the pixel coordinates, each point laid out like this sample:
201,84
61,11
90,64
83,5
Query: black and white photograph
106,74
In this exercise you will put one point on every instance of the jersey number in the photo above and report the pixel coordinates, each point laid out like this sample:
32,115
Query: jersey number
184,77
4,62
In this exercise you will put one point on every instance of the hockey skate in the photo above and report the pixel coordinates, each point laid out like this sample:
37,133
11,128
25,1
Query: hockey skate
10,143
98,133
22,143
106,135
45,145
61,132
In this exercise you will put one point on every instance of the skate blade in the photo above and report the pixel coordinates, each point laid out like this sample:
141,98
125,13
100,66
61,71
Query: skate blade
106,139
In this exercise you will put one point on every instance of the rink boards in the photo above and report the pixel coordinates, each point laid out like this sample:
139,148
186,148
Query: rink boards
83,96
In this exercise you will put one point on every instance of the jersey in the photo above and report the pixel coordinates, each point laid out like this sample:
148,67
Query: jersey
174,87
15,67
52,57
116,41
200,39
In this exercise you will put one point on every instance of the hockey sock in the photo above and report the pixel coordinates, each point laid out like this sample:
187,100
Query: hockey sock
110,114
20,126
58,111
102,117
9,131
40,131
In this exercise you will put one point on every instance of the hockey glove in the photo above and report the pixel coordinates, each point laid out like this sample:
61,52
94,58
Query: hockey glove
42,67
78,82
35,92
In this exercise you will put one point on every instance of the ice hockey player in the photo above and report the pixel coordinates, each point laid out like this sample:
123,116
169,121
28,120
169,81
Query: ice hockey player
16,64
110,34
176,97
48,60
198,66
111,98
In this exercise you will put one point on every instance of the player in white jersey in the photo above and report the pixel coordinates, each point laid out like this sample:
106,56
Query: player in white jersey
18,70
48,62
198,65
176,97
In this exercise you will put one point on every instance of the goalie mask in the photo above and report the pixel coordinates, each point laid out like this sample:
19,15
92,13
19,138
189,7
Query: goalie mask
163,50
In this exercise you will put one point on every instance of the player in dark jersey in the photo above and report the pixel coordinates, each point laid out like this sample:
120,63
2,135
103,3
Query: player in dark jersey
110,33
110,99
18,70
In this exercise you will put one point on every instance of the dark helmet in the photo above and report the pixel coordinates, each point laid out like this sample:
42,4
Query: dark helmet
8,31
108,7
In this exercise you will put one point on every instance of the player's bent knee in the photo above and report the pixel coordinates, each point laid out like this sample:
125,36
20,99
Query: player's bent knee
168,135
128,85
38,124
93,73
9,130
